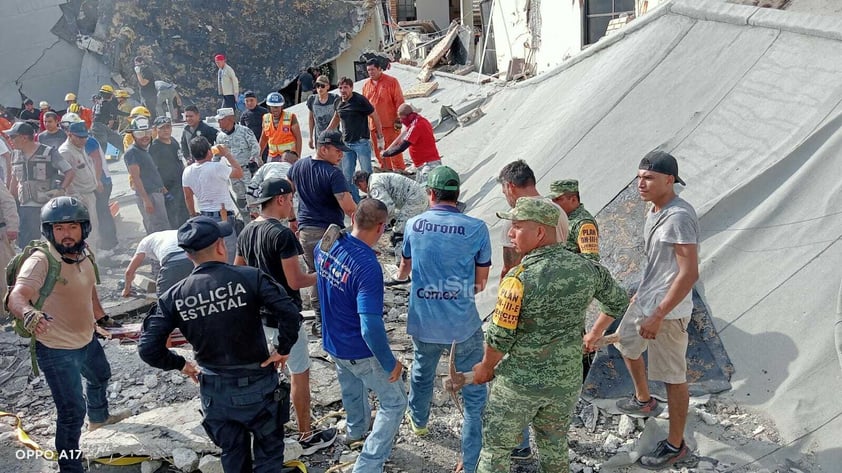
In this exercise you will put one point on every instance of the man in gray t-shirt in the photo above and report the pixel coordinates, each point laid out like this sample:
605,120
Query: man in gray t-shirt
657,318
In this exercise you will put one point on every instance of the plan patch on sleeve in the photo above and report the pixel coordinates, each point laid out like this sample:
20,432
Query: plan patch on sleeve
588,239
509,301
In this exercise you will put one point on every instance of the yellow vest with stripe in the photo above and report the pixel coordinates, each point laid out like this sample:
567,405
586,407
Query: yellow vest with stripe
280,139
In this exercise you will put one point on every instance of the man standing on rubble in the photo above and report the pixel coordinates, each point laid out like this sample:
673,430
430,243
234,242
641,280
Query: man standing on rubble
540,380
584,233
449,256
245,149
148,184
64,324
218,309
416,136
658,317
146,80
281,130
351,285
168,159
385,94
226,82
268,245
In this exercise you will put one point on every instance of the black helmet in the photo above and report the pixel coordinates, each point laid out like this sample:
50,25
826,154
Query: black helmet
65,210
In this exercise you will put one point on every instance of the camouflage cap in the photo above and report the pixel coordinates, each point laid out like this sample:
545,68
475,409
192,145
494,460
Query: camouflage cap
534,209
566,186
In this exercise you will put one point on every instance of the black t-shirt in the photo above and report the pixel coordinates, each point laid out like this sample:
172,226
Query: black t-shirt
148,89
29,115
354,117
253,119
149,175
263,244
167,158
306,80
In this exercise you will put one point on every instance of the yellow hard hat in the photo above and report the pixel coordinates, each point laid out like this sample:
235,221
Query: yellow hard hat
140,110
106,89
70,96
74,108
121,94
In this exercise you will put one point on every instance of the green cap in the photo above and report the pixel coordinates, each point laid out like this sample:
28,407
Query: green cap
534,209
443,178
566,186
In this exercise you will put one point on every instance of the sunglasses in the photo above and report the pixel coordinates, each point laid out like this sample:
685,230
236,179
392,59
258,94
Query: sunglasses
319,85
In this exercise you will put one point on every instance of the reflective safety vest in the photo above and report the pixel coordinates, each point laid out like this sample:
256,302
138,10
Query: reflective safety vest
281,138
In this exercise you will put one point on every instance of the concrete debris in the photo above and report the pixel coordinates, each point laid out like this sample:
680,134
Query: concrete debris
150,466
150,381
210,464
626,427
707,417
185,459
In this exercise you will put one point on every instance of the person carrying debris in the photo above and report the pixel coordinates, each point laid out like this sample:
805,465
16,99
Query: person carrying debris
385,94
584,232
449,256
350,283
63,323
163,248
660,311
416,136
218,308
266,244
403,197
540,380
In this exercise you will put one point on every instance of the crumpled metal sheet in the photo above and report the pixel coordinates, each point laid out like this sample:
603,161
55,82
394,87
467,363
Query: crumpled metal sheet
709,369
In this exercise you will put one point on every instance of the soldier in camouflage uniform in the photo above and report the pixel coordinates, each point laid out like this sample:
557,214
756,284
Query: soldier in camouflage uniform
243,145
538,320
403,197
584,232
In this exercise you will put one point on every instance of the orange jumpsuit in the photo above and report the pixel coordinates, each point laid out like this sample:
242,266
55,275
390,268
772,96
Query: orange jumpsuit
386,96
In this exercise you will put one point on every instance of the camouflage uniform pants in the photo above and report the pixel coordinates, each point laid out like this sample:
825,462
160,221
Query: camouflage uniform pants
511,407
407,212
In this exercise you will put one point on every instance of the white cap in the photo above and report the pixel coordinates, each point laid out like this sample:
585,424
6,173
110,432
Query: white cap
70,117
224,112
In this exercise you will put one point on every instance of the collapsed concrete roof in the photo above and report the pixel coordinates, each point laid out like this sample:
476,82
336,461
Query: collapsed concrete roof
749,100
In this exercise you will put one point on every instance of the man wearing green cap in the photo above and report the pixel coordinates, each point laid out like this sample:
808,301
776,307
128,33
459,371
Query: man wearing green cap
449,254
584,233
540,379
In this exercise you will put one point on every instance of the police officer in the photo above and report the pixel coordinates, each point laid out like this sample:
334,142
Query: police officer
218,309
540,380
584,233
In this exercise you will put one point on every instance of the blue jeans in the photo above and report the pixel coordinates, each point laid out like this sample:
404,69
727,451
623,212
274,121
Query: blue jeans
468,353
360,151
63,370
356,377
230,240
239,409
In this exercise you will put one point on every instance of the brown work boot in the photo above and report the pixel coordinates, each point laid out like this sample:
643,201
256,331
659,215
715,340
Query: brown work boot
112,419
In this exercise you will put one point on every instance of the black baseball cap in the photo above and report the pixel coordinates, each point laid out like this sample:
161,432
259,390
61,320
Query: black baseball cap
271,188
20,128
250,93
661,162
201,232
333,138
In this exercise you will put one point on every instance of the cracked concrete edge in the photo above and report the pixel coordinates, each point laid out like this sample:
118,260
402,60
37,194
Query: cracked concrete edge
714,10
822,26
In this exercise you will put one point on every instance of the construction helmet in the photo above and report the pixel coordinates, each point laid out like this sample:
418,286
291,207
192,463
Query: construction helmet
140,111
70,96
74,108
140,123
69,118
65,209
121,94
106,89
275,99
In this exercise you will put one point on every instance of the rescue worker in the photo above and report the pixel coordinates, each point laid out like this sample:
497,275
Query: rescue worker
385,94
139,111
125,104
163,248
245,149
86,114
540,380
403,197
39,173
281,130
584,232
65,347
218,309
106,115
166,153
416,136
146,81
9,225
146,181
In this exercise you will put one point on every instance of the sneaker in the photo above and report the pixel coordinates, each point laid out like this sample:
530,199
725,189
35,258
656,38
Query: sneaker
419,431
635,408
332,234
522,453
397,282
664,456
112,419
318,440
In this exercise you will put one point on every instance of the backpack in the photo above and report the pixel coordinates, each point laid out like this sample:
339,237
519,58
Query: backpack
50,280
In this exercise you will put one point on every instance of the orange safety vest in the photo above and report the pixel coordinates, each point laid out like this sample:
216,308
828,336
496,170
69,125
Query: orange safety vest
281,138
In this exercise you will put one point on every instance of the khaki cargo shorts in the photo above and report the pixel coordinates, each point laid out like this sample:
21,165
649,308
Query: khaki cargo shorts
667,352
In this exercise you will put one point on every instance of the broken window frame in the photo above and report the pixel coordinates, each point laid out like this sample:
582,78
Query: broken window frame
587,17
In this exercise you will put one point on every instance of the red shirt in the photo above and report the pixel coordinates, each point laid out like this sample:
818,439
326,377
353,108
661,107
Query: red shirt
422,142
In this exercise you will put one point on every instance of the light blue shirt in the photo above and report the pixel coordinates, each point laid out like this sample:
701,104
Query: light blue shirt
446,247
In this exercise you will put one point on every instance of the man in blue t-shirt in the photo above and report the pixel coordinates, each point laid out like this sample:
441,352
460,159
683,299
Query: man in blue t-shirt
350,282
449,255
323,196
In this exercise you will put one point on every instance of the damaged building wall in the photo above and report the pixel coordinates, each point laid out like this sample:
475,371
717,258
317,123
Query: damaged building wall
368,39
36,63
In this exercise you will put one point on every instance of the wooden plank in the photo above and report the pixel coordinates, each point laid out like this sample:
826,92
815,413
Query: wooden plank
438,52
420,89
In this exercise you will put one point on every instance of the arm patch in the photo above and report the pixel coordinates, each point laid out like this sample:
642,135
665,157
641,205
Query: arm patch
588,239
509,302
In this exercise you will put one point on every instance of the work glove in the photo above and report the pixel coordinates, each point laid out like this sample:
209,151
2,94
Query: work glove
31,317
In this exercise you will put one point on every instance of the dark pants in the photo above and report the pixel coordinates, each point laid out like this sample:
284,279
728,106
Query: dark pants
150,100
63,370
107,228
176,207
239,409
229,101
30,225
174,268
